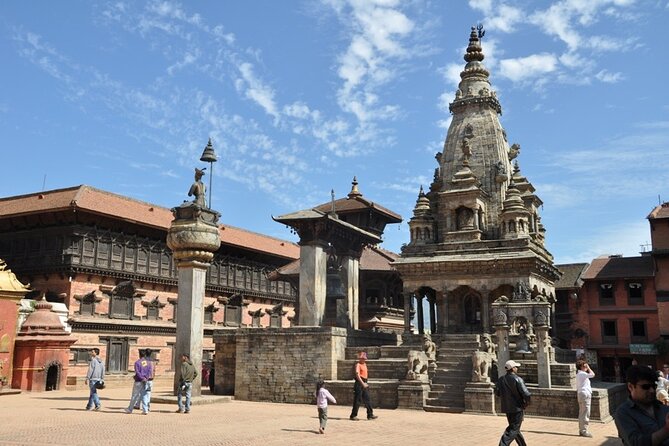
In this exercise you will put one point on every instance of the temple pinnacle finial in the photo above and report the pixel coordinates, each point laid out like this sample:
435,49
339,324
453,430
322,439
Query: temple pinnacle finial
474,50
421,193
333,212
354,189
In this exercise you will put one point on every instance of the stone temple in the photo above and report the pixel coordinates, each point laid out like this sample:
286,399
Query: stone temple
476,233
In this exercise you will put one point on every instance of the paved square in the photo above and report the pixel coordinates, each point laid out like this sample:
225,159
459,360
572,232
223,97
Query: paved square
59,418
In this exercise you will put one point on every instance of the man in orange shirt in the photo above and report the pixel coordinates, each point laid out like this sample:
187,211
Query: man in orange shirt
361,389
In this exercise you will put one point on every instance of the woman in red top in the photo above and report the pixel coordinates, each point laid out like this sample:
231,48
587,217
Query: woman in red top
361,389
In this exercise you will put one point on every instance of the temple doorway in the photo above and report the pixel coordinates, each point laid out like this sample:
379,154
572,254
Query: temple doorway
52,373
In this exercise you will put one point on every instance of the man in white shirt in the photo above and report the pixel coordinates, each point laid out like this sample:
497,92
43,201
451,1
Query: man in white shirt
584,394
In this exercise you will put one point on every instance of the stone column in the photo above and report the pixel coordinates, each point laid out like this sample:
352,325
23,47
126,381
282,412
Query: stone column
433,315
485,309
420,318
543,360
503,355
351,274
313,274
193,238
407,296
443,312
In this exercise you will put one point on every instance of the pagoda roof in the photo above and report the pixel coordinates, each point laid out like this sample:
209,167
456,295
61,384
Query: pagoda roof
373,259
351,205
313,215
95,201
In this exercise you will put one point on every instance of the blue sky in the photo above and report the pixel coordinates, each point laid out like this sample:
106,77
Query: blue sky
300,96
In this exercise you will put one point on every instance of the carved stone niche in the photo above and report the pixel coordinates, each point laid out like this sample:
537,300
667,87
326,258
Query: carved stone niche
276,314
255,317
233,308
464,218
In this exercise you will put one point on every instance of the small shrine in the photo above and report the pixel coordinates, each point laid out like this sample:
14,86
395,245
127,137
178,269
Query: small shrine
42,351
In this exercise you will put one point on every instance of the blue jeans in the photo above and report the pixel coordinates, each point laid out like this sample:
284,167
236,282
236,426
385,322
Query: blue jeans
187,393
147,387
136,395
93,397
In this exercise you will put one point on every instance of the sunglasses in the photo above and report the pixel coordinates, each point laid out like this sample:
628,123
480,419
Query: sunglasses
648,386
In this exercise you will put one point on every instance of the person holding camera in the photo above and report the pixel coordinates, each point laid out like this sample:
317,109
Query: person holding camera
95,379
514,397
584,395
186,375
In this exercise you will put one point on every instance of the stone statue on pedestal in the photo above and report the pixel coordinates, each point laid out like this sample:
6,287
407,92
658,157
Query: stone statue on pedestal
198,189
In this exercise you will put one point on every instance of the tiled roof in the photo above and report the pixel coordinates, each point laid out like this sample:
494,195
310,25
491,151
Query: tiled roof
661,211
101,202
619,268
571,275
373,259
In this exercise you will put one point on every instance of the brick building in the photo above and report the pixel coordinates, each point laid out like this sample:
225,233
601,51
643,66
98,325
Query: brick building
104,256
659,235
616,314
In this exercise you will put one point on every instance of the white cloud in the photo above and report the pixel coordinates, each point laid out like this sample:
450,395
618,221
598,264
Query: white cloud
524,68
500,17
608,77
256,90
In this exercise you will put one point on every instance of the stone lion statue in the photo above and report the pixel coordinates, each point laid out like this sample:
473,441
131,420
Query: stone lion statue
482,360
429,347
417,364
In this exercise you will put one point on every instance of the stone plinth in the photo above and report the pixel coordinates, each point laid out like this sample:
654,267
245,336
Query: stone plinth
278,365
480,397
193,238
412,394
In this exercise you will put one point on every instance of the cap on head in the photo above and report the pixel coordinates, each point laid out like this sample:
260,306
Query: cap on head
511,364
362,355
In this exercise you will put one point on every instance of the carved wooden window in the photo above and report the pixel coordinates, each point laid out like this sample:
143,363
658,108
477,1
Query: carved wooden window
635,293
256,317
239,277
164,264
87,305
609,332
606,294
224,274
142,260
80,356
638,330
233,316
121,302
263,281
116,256
103,254
152,312
174,310
129,260
89,252
209,311
153,262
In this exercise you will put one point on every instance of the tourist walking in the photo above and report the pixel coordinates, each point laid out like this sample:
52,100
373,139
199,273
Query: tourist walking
662,393
322,398
138,382
95,375
584,395
148,385
186,375
361,389
514,398
642,419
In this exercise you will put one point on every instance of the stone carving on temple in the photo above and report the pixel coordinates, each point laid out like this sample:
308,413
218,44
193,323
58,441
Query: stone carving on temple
521,293
417,364
514,150
483,359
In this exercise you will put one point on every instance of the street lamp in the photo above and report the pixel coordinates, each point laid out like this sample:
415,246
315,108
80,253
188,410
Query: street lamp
209,156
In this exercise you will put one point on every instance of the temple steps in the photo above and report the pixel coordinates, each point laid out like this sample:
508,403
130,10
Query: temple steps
454,365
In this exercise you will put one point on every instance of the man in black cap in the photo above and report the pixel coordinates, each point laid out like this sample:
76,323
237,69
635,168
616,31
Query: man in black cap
515,397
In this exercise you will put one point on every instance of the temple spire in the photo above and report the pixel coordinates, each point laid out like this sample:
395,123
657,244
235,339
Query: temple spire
354,189
474,50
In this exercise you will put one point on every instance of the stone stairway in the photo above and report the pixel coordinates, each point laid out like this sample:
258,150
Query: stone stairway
454,370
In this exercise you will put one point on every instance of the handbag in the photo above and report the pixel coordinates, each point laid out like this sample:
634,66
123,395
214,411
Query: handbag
100,385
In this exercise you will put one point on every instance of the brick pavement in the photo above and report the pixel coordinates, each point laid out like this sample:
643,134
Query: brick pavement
59,418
